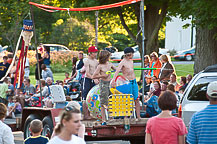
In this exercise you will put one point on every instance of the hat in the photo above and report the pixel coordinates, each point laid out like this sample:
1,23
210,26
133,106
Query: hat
27,25
92,49
128,50
212,89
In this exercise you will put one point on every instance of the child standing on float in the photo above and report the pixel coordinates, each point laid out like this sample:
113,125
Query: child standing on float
126,66
100,73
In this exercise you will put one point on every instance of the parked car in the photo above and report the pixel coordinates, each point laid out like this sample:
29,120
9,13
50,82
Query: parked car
185,54
56,47
194,98
119,55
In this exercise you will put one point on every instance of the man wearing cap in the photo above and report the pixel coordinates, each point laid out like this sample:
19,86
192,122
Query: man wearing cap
126,65
90,66
203,125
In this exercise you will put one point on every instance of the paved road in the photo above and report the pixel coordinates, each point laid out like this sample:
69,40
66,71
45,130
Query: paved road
174,62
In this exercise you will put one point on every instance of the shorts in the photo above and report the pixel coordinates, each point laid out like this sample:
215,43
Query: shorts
104,92
87,85
134,89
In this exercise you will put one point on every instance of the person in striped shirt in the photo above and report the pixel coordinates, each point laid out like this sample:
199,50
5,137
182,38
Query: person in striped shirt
203,125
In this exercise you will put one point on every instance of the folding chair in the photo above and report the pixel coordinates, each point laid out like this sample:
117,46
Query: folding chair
121,105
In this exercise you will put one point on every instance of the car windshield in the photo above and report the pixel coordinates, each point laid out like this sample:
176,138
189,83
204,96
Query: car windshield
198,92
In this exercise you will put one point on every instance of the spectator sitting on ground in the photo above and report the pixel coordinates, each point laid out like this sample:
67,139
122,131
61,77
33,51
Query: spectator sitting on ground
172,89
157,89
46,93
174,81
153,79
10,106
36,128
203,125
183,82
188,78
29,90
6,135
15,107
43,84
46,72
36,99
165,128
164,85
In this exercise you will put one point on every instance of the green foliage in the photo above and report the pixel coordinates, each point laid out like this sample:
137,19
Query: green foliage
75,34
119,41
204,12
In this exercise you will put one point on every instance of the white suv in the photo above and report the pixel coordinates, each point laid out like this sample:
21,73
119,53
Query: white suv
194,98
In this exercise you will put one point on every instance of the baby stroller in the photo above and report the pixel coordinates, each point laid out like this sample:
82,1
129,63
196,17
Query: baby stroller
75,90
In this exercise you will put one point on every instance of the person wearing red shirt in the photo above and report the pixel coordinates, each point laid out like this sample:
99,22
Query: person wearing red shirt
165,128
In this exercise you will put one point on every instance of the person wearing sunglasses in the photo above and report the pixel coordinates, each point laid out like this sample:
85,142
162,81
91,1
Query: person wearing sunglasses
68,127
155,63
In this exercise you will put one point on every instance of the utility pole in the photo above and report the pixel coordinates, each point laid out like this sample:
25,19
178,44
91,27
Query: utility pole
143,47
96,29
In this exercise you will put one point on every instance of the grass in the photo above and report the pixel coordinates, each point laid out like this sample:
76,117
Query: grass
181,70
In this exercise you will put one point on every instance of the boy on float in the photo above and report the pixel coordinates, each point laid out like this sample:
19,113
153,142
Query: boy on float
126,66
90,66
100,73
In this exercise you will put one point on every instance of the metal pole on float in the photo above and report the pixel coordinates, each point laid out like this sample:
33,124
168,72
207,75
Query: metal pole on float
39,74
96,29
143,49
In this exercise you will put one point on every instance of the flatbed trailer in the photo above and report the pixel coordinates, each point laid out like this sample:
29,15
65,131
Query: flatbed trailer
94,131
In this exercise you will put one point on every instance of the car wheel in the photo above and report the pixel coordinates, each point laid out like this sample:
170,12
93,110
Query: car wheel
47,126
30,118
188,57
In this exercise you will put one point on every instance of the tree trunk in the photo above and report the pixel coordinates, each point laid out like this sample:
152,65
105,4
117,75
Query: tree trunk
206,49
152,23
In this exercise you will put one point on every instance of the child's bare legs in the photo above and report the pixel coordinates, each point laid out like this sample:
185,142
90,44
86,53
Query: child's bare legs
137,109
86,111
103,113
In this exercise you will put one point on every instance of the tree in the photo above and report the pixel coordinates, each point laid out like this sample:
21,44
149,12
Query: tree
205,15
155,12
74,34
11,18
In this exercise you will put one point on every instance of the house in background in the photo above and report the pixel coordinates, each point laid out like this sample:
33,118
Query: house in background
179,38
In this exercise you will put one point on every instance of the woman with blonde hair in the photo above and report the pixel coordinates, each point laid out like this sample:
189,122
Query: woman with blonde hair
68,127
155,63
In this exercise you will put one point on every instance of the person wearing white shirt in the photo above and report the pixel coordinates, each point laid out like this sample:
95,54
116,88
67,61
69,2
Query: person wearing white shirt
68,127
6,135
